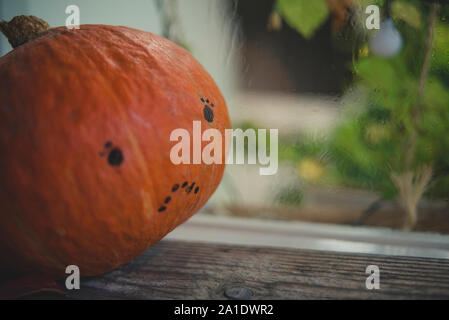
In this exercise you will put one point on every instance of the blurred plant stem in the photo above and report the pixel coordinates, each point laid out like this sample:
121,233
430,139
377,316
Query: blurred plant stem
171,26
411,183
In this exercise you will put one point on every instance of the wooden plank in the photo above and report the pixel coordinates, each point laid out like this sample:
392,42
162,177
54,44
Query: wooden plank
194,270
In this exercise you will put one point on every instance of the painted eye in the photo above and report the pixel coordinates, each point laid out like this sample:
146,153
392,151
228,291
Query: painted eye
208,114
115,155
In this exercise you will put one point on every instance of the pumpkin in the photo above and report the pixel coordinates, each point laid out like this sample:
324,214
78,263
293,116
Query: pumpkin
85,123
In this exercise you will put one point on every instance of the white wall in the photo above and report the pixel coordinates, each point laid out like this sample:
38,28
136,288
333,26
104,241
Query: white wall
206,27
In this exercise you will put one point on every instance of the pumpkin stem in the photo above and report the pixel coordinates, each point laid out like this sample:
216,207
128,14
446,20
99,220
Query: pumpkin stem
22,29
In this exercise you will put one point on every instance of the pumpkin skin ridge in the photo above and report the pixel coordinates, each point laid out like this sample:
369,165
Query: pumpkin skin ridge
128,125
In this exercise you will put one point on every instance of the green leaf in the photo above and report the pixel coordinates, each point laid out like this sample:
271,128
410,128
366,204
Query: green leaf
440,56
407,12
377,72
305,16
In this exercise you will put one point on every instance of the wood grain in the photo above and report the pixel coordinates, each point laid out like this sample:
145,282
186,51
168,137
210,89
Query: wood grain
186,270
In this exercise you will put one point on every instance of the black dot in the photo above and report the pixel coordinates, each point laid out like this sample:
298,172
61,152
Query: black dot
212,105
197,189
115,157
208,114
189,189
207,100
184,184
108,144
175,187
167,200
163,208
202,99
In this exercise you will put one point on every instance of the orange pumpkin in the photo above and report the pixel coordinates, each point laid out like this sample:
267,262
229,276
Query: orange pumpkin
85,123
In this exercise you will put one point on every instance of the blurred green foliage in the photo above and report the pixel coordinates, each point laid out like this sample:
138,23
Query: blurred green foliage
305,16
371,141
290,195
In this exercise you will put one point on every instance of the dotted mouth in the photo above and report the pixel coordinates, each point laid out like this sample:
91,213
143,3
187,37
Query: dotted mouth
176,187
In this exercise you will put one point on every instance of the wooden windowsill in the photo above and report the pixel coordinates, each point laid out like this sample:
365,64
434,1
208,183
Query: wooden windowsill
311,236
275,260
